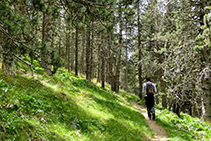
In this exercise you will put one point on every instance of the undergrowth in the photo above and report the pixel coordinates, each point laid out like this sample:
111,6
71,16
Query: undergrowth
64,107
185,128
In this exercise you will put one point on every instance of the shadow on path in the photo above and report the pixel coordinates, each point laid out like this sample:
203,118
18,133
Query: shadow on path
160,133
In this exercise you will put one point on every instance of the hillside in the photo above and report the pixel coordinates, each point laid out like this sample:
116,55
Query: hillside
63,107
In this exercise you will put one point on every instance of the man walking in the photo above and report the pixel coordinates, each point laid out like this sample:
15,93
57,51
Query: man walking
148,91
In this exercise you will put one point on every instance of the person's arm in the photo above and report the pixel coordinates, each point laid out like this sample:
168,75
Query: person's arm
143,91
155,88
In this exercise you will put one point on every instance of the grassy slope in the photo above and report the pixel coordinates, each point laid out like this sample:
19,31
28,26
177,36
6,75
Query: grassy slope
63,107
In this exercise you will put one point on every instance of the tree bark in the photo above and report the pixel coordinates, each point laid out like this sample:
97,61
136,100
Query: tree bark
72,52
207,98
98,64
126,65
162,83
164,96
156,30
193,107
139,55
83,52
110,66
68,46
91,50
103,63
76,51
88,50
45,57
206,84
119,54
59,47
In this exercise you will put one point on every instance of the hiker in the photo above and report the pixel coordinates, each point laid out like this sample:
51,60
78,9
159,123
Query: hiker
148,91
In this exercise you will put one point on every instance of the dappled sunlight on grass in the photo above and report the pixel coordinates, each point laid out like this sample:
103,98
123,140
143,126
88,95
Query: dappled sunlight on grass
63,131
95,109
55,130
63,107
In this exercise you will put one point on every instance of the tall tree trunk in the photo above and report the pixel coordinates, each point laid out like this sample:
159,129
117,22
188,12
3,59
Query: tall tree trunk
68,46
110,66
72,52
88,52
193,107
91,50
205,63
67,49
206,84
155,29
59,47
117,83
103,63
203,108
76,51
164,96
126,65
1,47
98,64
83,51
139,54
119,53
45,57
162,83
1,41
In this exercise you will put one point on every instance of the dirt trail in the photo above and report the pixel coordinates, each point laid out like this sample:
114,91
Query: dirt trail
160,133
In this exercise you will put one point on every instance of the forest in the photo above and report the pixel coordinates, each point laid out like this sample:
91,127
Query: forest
118,42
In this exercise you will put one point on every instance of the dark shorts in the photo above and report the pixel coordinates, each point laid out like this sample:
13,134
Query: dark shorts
151,109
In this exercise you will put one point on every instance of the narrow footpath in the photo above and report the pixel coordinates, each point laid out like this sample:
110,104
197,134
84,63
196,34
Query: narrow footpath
160,133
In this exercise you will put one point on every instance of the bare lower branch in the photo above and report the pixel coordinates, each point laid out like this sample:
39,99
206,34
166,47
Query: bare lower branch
27,63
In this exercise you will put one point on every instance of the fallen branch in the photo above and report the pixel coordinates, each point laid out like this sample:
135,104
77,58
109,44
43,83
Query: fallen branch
27,63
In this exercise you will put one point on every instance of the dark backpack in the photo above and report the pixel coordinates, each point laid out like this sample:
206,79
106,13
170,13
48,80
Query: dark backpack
150,90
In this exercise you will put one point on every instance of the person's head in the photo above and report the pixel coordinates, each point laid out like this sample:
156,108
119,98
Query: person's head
148,79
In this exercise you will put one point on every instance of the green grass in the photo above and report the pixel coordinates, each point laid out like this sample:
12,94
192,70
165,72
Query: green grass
185,128
63,107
